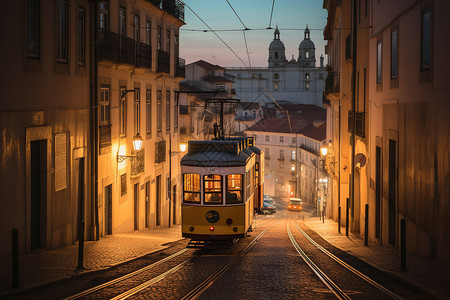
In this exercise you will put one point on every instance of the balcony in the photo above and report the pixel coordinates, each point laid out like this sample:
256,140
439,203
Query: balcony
121,49
173,7
360,123
138,163
163,62
280,157
180,67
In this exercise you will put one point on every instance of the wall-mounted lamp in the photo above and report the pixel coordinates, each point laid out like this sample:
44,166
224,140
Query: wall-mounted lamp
183,147
324,150
137,146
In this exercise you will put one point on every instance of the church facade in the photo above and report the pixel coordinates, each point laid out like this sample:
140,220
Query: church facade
297,81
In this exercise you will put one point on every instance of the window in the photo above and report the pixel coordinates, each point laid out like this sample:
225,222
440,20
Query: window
176,45
123,112
137,28
123,184
220,87
122,21
281,154
379,47
394,53
61,31
292,167
253,114
275,86
168,110
158,38
306,75
191,188
293,155
276,55
104,106
148,33
213,189
168,40
159,110
249,183
148,110
294,140
234,189
276,76
81,35
306,85
103,15
137,111
267,153
281,139
426,39
307,54
33,29
266,138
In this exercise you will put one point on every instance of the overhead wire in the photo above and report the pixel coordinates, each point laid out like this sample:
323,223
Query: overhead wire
271,13
245,27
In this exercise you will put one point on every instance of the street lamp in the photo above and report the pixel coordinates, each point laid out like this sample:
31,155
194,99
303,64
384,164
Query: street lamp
324,150
183,147
137,146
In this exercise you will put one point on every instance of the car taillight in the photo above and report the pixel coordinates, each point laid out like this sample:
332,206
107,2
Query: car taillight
211,228
289,206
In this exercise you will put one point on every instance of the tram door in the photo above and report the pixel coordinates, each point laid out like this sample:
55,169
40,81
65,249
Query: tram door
158,200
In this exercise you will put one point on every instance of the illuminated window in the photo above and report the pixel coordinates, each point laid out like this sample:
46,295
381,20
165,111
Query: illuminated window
306,75
234,188
191,188
213,189
104,106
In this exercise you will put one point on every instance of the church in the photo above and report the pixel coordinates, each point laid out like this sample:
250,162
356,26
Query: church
297,81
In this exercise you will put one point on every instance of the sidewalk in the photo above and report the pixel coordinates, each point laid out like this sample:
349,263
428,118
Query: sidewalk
430,275
48,266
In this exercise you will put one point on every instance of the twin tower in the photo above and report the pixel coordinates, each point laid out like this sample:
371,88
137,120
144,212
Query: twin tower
306,52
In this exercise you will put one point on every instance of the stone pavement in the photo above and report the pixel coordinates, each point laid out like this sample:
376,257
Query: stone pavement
429,274
47,266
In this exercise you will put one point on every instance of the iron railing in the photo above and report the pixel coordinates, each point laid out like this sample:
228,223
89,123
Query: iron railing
160,152
180,67
163,62
122,49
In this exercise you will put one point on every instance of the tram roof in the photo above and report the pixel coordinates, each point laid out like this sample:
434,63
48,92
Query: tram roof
218,153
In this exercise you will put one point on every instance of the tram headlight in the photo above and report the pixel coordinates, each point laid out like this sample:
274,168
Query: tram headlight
191,228
211,228
229,221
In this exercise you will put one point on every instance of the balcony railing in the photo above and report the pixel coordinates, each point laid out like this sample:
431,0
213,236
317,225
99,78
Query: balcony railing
163,62
122,49
180,67
173,7
138,164
360,123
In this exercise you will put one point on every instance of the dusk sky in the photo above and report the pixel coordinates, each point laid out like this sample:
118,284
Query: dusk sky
291,16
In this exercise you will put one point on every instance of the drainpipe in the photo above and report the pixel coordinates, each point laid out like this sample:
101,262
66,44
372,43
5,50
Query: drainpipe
93,70
353,139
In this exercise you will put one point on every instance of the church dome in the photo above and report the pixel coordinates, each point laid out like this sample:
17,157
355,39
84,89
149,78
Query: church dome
276,45
307,44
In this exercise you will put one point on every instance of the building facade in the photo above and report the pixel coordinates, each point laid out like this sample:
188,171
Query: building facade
400,70
295,81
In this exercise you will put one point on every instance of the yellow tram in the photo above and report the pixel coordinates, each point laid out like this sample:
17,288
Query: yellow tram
222,189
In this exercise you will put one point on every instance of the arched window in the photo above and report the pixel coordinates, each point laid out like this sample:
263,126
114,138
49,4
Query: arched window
306,75
276,76
276,55
307,54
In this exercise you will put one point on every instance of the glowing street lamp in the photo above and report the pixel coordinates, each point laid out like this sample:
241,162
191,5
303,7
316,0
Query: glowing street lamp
324,150
183,147
138,141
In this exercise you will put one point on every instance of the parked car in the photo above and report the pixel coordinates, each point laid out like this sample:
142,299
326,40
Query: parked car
268,208
295,204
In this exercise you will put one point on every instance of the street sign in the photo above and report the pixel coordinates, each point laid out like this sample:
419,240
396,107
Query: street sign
360,160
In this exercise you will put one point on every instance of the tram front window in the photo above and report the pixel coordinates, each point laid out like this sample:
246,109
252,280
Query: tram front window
213,189
191,190
234,188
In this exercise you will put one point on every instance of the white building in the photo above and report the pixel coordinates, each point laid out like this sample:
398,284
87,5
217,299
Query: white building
292,151
296,81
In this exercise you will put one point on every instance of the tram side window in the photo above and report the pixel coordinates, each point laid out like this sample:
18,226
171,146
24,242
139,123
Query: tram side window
191,189
213,189
234,188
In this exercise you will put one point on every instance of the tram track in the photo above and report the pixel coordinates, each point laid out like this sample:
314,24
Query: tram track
314,259
147,283
202,287
333,287
348,267
127,276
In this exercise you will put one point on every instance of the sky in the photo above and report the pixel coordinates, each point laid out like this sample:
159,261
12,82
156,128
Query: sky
291,16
